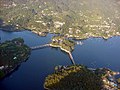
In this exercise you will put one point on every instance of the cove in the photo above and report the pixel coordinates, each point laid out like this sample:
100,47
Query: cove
94,53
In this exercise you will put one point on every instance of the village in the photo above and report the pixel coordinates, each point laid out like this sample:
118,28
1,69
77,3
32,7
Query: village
42,19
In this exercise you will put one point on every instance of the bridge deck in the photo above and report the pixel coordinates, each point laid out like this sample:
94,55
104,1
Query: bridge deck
71,57
47,45
40,46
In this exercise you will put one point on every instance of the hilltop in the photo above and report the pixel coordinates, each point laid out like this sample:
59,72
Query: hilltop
75,19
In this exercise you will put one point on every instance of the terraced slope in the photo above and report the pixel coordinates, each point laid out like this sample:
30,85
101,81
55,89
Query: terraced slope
72,18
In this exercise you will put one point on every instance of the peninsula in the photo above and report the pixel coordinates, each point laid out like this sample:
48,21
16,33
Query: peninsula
12,54
79,77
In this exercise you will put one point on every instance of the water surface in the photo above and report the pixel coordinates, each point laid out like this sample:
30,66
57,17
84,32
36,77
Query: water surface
95,52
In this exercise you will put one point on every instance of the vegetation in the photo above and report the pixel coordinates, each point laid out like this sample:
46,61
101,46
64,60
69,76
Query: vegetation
74,19
79,77
73,78
2,74
64,43
12,53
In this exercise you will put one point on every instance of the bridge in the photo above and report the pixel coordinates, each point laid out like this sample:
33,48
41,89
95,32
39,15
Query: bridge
47,45
71,57
40,46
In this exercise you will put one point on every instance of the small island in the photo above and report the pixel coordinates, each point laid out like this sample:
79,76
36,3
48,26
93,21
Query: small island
63,43
79,77
12,54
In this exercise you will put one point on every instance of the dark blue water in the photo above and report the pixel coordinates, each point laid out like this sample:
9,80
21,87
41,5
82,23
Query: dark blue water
95,52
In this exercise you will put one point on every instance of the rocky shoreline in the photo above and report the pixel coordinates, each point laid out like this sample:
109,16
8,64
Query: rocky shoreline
58,46
75,37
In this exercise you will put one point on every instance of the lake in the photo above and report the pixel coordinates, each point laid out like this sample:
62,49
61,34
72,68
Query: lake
30,75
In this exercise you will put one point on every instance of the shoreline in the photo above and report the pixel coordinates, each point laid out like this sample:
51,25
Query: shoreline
18,56
79,38
105,76
57,46
37,33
